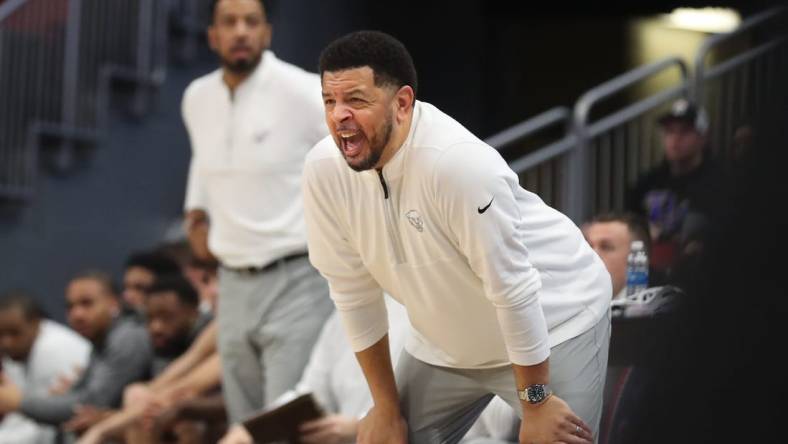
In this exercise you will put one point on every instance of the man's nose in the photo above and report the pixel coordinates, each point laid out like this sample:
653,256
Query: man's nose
241,28
341,113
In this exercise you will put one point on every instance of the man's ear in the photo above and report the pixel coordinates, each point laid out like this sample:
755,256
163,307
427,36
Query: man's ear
405,99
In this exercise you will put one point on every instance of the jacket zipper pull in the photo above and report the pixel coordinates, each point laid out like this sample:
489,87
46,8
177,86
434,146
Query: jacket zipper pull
383,183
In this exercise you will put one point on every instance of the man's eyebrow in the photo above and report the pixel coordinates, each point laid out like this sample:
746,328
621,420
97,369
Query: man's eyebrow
359,91
354,91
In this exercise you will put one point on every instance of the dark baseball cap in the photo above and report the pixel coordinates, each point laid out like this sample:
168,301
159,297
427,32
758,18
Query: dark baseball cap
686,111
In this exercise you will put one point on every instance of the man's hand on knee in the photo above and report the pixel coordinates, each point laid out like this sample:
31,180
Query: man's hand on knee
382,426
553,421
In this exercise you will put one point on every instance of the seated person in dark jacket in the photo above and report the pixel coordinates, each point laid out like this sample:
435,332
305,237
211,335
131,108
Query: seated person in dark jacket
121,355
173,321
678,196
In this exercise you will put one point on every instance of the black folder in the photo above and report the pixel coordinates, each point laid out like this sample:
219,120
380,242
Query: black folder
279,423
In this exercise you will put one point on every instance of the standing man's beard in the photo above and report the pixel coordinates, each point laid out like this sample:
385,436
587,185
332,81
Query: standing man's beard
242,66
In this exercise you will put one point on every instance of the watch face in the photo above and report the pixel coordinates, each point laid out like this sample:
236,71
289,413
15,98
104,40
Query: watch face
535,393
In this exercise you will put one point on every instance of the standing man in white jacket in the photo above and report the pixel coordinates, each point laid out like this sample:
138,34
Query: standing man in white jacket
402,198
250,124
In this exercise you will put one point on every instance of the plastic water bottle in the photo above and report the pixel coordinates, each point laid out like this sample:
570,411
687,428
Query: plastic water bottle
637,268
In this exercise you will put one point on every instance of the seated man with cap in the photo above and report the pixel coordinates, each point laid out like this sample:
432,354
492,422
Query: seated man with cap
679,196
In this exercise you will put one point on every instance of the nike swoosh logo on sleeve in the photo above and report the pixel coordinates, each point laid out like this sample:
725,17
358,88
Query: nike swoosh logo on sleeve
482,210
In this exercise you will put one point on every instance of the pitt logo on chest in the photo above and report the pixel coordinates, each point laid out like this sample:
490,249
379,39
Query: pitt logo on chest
415,219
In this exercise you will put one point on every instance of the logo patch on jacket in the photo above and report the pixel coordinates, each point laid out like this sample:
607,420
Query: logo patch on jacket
259,136
415,219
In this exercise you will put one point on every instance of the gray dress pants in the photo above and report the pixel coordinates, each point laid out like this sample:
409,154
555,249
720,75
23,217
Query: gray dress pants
268,324
440,404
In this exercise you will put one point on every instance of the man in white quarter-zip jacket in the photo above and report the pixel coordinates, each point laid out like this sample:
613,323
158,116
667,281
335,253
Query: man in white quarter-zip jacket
503,293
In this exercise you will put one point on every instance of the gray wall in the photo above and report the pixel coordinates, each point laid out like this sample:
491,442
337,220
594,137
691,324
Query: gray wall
123,196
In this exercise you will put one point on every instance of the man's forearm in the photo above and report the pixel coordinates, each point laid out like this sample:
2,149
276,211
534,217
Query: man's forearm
205,376
375,362
197,233
198,239
531,374
202,378
175,370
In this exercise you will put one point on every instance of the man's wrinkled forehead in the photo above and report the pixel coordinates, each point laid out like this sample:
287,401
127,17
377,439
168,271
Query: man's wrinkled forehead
354,72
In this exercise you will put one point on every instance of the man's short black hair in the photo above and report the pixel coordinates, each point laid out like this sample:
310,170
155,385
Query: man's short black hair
101,277
267,5
177,284
156,262
24,301
389,59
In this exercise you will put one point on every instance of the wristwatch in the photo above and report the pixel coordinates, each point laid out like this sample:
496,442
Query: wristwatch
535,393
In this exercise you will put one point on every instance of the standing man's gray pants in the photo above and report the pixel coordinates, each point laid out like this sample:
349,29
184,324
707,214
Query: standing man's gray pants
440,404
268,323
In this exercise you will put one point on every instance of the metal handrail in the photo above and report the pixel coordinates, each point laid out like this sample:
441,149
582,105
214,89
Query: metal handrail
544,154
743,58
71,64
72,120
576,192
712,42
516,133
624,114
574,146
615,85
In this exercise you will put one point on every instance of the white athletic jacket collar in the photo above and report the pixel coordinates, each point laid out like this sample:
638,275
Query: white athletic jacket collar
395,167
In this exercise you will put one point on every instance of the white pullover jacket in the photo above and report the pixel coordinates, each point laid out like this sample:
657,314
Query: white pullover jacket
489,274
